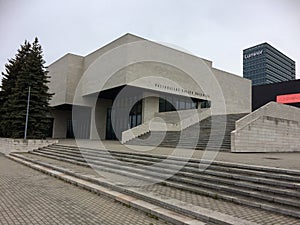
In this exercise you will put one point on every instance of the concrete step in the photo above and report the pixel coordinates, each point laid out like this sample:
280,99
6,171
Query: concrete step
181,212
138,173
274,176
130,198
282,174
193,179
194,174
193,183
205,133
233,173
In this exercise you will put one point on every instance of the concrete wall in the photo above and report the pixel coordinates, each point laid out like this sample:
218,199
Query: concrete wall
150,107
129,64
178,71
8,145
236,91
127,38
58,81
272,128
64,75
75,70
162,65
170,67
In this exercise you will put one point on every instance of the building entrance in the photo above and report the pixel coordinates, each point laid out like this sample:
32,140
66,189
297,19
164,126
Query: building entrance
135,115
110,134
117,122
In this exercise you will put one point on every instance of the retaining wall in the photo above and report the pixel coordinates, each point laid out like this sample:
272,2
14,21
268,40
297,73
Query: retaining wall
273,128
8,145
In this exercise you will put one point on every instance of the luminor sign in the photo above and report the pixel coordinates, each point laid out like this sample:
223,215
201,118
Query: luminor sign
248,56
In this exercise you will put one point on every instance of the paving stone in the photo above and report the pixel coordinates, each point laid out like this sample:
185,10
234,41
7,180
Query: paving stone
243,212
30,197
63,152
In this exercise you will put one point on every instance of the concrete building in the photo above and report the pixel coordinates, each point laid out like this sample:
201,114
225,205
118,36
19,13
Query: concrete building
127,83
263,64
145,93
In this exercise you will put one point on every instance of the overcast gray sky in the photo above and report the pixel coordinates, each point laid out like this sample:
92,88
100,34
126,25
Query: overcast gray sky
212,29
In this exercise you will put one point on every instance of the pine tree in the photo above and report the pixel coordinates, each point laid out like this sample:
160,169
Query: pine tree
26,70
12,71
1,115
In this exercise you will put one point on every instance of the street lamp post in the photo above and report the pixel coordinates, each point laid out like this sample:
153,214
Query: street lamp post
27,114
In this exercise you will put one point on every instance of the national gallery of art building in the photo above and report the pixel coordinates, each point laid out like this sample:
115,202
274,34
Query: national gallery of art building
143,92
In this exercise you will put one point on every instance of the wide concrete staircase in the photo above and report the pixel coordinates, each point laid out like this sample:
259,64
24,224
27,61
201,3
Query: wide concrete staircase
212,133
272,189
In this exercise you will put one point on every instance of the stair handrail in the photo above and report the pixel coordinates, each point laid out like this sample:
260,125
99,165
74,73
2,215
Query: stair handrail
195,118
139,130
246,124
266,110
259,117
244,121
135,132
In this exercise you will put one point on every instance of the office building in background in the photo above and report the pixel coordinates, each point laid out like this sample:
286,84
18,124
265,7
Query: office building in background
263,64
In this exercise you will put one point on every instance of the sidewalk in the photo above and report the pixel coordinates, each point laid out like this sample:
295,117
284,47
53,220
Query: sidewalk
30,197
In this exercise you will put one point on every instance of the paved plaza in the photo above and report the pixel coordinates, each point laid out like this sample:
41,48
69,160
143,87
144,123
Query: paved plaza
31,197
255,215
28,196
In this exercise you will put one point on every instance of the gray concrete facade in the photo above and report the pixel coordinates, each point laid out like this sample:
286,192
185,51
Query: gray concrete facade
139,63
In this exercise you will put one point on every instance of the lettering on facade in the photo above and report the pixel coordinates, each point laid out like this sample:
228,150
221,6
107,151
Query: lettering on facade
248,56
180,90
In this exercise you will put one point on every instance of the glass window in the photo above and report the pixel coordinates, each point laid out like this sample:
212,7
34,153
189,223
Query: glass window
177,103
139,119
194,105
173,103
205,104
182,104
168,104
139,108
162,105
188,105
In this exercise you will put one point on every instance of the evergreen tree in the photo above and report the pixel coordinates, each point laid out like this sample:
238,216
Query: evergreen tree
12,70
27,69
1,115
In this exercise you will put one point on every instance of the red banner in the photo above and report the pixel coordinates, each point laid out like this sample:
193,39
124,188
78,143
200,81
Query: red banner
291,98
